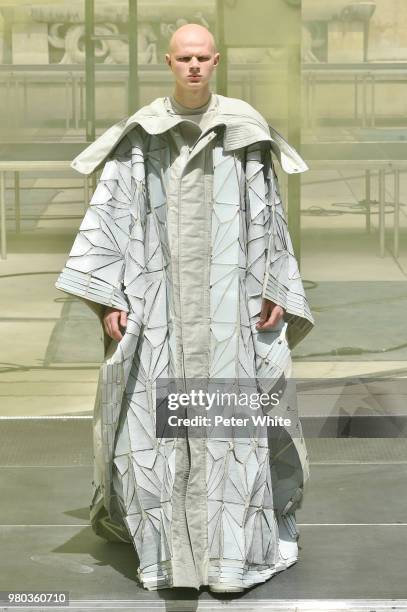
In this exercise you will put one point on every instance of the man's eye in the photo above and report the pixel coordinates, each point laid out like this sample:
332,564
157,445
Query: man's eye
187,59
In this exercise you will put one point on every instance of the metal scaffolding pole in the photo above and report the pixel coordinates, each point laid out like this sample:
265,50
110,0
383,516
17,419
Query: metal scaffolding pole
90,69
294,138
133,88
222,69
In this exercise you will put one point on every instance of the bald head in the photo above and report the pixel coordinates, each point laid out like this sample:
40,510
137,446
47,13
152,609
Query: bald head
191,35
192,58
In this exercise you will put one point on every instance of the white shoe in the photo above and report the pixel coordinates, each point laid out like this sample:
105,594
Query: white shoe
220,588
288,536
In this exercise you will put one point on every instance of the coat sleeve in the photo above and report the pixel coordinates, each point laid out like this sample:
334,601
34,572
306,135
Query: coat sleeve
95,268
282,281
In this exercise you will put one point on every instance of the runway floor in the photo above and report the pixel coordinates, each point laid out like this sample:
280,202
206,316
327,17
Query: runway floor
353,529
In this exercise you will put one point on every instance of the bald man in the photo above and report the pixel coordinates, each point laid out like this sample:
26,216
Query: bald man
185,255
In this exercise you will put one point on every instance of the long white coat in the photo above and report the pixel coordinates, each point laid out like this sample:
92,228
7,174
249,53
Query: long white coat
189,256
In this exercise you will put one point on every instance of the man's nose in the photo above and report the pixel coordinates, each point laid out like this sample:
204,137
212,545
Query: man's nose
194,62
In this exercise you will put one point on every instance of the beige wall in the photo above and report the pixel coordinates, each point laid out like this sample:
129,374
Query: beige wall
47,100
388,31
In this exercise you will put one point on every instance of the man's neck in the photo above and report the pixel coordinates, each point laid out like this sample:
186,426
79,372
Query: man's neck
191,99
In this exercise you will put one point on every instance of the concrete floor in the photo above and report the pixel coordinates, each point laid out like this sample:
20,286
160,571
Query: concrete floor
353,522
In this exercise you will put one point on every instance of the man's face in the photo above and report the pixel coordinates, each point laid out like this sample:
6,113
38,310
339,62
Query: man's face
192,64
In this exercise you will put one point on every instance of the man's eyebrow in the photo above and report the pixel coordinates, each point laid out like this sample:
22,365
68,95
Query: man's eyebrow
178,55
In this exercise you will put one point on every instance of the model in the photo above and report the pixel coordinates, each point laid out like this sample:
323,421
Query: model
185,255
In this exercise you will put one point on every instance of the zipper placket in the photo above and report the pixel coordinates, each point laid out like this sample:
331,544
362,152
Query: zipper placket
185,161
179,267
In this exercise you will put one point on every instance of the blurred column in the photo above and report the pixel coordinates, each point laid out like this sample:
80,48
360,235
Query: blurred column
269,23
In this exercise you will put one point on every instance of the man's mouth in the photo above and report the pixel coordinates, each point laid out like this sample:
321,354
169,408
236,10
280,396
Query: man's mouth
194,76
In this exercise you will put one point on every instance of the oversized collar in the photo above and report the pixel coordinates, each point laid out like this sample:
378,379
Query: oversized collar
243,126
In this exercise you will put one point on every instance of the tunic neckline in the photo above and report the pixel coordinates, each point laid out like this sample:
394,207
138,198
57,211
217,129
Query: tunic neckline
175,108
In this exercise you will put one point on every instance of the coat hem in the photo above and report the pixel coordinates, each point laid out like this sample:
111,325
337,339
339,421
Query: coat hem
159,576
